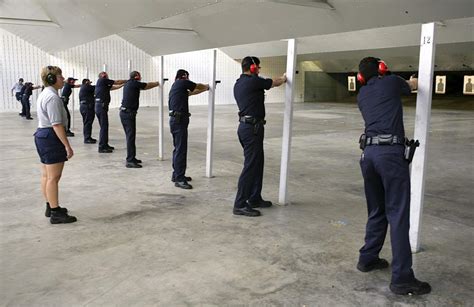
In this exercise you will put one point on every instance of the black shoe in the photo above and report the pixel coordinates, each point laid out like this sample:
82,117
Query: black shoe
69,133
47,213
377,264
247,211
109,147
90,141
60,217
183,185
135,160
260,204
415,287
21,114
185,178
105,150
29,118
132,165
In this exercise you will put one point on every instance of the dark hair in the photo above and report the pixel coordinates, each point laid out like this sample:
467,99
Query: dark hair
134,74
181,73
84,81
248,61
21,80
369,67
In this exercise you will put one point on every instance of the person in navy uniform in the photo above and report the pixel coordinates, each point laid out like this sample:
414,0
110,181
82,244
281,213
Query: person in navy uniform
86,100
178,105
16,91
65,94
26,93
102,90
386,174
128,114
249,93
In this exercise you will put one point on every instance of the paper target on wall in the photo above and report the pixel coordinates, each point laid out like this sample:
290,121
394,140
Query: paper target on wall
467,88
351,83
440,86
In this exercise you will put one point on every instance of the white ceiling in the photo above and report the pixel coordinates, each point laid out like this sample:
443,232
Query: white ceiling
323,27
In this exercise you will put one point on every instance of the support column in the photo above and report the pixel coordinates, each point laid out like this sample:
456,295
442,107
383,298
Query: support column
87,72
210,117
160,109
104,68
422,123
129,66
72,103
287,121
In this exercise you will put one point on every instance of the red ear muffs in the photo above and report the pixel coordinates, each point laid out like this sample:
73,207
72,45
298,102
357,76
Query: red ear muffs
138,77
360,78
253,68
383,68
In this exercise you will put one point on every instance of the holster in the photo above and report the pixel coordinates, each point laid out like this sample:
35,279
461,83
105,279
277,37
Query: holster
362,141
410,148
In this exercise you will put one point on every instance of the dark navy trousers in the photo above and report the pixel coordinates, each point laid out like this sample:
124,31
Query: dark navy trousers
387,189
88,114
25,106
66,102
251,179
129,124
101,110
179,130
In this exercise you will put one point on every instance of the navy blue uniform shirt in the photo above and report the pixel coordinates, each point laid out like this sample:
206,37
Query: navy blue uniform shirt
249,92
179,95
28,91
381,105
67,90
86,93
102,89
131,94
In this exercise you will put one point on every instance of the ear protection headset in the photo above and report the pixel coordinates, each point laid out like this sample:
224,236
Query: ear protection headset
253,67
50,77
137,77
382,70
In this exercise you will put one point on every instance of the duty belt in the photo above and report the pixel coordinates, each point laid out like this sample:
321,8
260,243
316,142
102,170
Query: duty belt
247,119
384,139
86,102
178,114
127,110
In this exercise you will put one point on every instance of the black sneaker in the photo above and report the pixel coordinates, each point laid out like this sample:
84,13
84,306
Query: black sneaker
415,287
47,213
21,114
105,150
60,217
246,211
183,185
137,160
69,133
109,147
29,118
260,204
377,264
132,165
185,178
90,141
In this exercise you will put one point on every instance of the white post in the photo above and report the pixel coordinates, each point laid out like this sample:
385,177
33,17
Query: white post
87,72
104,68
210,116
129,66
72,102
287,121
160,109
422,123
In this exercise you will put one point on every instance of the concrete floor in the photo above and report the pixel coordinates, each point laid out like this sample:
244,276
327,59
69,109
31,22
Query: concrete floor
141,241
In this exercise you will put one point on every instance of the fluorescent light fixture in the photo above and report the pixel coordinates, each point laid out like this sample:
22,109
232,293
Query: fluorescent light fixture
320,4
28,22
165,30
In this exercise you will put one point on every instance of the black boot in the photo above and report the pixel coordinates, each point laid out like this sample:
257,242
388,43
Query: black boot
47,213
377,264
60,217
415,287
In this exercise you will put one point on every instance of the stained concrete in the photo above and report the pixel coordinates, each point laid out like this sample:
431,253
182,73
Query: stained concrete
141,241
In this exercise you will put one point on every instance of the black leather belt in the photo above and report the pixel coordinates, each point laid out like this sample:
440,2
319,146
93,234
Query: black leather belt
127,110
178,114
384,139
86,102
247,119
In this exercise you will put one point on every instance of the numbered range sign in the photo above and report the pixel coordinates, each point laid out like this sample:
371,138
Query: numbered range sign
467,88
440,86
351,83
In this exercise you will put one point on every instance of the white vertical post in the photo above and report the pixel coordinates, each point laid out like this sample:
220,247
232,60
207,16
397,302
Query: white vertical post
287,121
210,116
422,123
160,109
87,72
104,68
72,102
129,66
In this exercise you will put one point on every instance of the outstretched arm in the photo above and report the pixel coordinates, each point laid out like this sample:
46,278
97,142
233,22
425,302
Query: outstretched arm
413,83
118,82
279,80
150,85
199,89
116,87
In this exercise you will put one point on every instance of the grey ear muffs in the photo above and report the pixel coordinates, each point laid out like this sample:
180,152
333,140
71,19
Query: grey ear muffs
51,78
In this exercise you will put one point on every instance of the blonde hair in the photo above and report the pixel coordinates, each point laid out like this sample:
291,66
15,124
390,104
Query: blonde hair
45,71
